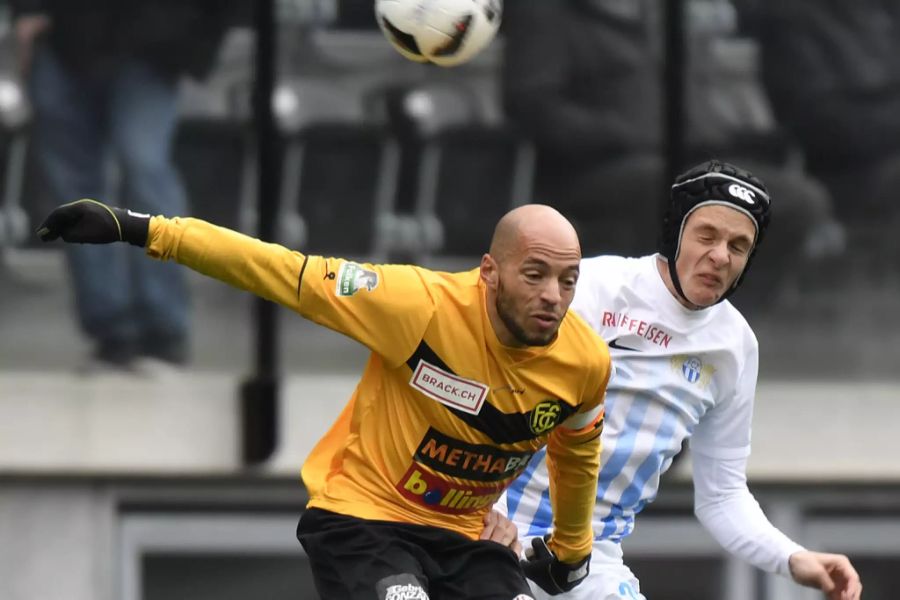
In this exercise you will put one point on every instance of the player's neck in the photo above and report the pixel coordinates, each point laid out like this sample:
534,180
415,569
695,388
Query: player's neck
663,268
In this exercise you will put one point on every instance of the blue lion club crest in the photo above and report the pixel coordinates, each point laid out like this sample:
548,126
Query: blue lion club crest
691,368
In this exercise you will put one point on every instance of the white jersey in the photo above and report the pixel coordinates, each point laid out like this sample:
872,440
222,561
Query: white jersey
678,374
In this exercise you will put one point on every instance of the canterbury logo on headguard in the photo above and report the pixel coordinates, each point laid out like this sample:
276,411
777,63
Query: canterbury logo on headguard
742,193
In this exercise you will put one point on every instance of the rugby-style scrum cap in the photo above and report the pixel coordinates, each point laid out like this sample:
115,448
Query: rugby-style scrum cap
713,182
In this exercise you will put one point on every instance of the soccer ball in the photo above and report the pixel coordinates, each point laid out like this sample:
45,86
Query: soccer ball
443,32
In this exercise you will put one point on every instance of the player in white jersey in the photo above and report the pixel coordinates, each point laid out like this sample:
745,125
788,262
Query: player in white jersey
685,367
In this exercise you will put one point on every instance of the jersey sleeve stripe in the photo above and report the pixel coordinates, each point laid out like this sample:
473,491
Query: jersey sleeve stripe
300,277
584,422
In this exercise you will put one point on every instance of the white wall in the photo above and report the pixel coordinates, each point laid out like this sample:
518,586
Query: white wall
188,425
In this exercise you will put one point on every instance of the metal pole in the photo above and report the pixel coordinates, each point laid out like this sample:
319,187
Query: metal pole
259,393
674,76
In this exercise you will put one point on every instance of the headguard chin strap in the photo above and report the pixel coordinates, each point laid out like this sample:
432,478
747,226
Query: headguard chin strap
710,183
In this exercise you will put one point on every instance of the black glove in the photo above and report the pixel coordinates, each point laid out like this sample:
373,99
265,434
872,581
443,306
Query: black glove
90,222
552,575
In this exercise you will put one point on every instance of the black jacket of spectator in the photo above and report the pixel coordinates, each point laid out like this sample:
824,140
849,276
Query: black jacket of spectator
582,84
175,36
832,72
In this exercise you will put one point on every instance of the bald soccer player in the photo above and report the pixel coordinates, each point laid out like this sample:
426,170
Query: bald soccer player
470,374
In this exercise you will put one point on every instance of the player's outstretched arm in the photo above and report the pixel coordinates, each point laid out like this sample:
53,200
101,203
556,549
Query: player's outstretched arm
830,573
91,222
267,270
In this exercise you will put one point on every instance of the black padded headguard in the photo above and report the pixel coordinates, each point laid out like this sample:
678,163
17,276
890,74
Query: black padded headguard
713,182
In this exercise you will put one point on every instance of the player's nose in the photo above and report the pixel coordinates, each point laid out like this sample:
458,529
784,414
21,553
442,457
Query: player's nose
719,254
551,293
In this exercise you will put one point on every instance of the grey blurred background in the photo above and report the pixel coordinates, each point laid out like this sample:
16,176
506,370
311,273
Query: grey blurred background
131,484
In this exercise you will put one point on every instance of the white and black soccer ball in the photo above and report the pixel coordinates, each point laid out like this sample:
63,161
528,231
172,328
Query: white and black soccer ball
443,32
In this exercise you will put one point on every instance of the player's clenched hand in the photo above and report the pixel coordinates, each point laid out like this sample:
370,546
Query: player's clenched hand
551,574
91,222
831,573
498,528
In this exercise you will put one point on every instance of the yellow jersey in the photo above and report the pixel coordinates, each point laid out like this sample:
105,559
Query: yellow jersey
444,416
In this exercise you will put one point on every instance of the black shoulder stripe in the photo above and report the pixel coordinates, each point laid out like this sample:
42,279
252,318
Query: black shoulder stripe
502,428
424,352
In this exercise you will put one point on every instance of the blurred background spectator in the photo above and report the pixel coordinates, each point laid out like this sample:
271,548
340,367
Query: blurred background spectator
832,72
583,78
103,82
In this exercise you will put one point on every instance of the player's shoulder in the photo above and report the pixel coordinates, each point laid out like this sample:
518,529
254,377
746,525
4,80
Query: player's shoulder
731,321
454,292
606,277
609,270
610,264
581,341
584,352
453,283
440,288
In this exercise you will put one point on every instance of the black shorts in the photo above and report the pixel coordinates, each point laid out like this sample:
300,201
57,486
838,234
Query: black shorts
360,559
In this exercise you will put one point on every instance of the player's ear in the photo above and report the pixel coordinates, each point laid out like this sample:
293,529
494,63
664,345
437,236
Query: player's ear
489,271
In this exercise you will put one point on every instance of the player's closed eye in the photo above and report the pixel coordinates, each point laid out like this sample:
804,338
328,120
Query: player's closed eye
739,249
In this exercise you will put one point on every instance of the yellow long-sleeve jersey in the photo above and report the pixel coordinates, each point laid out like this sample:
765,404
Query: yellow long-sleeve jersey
445,416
